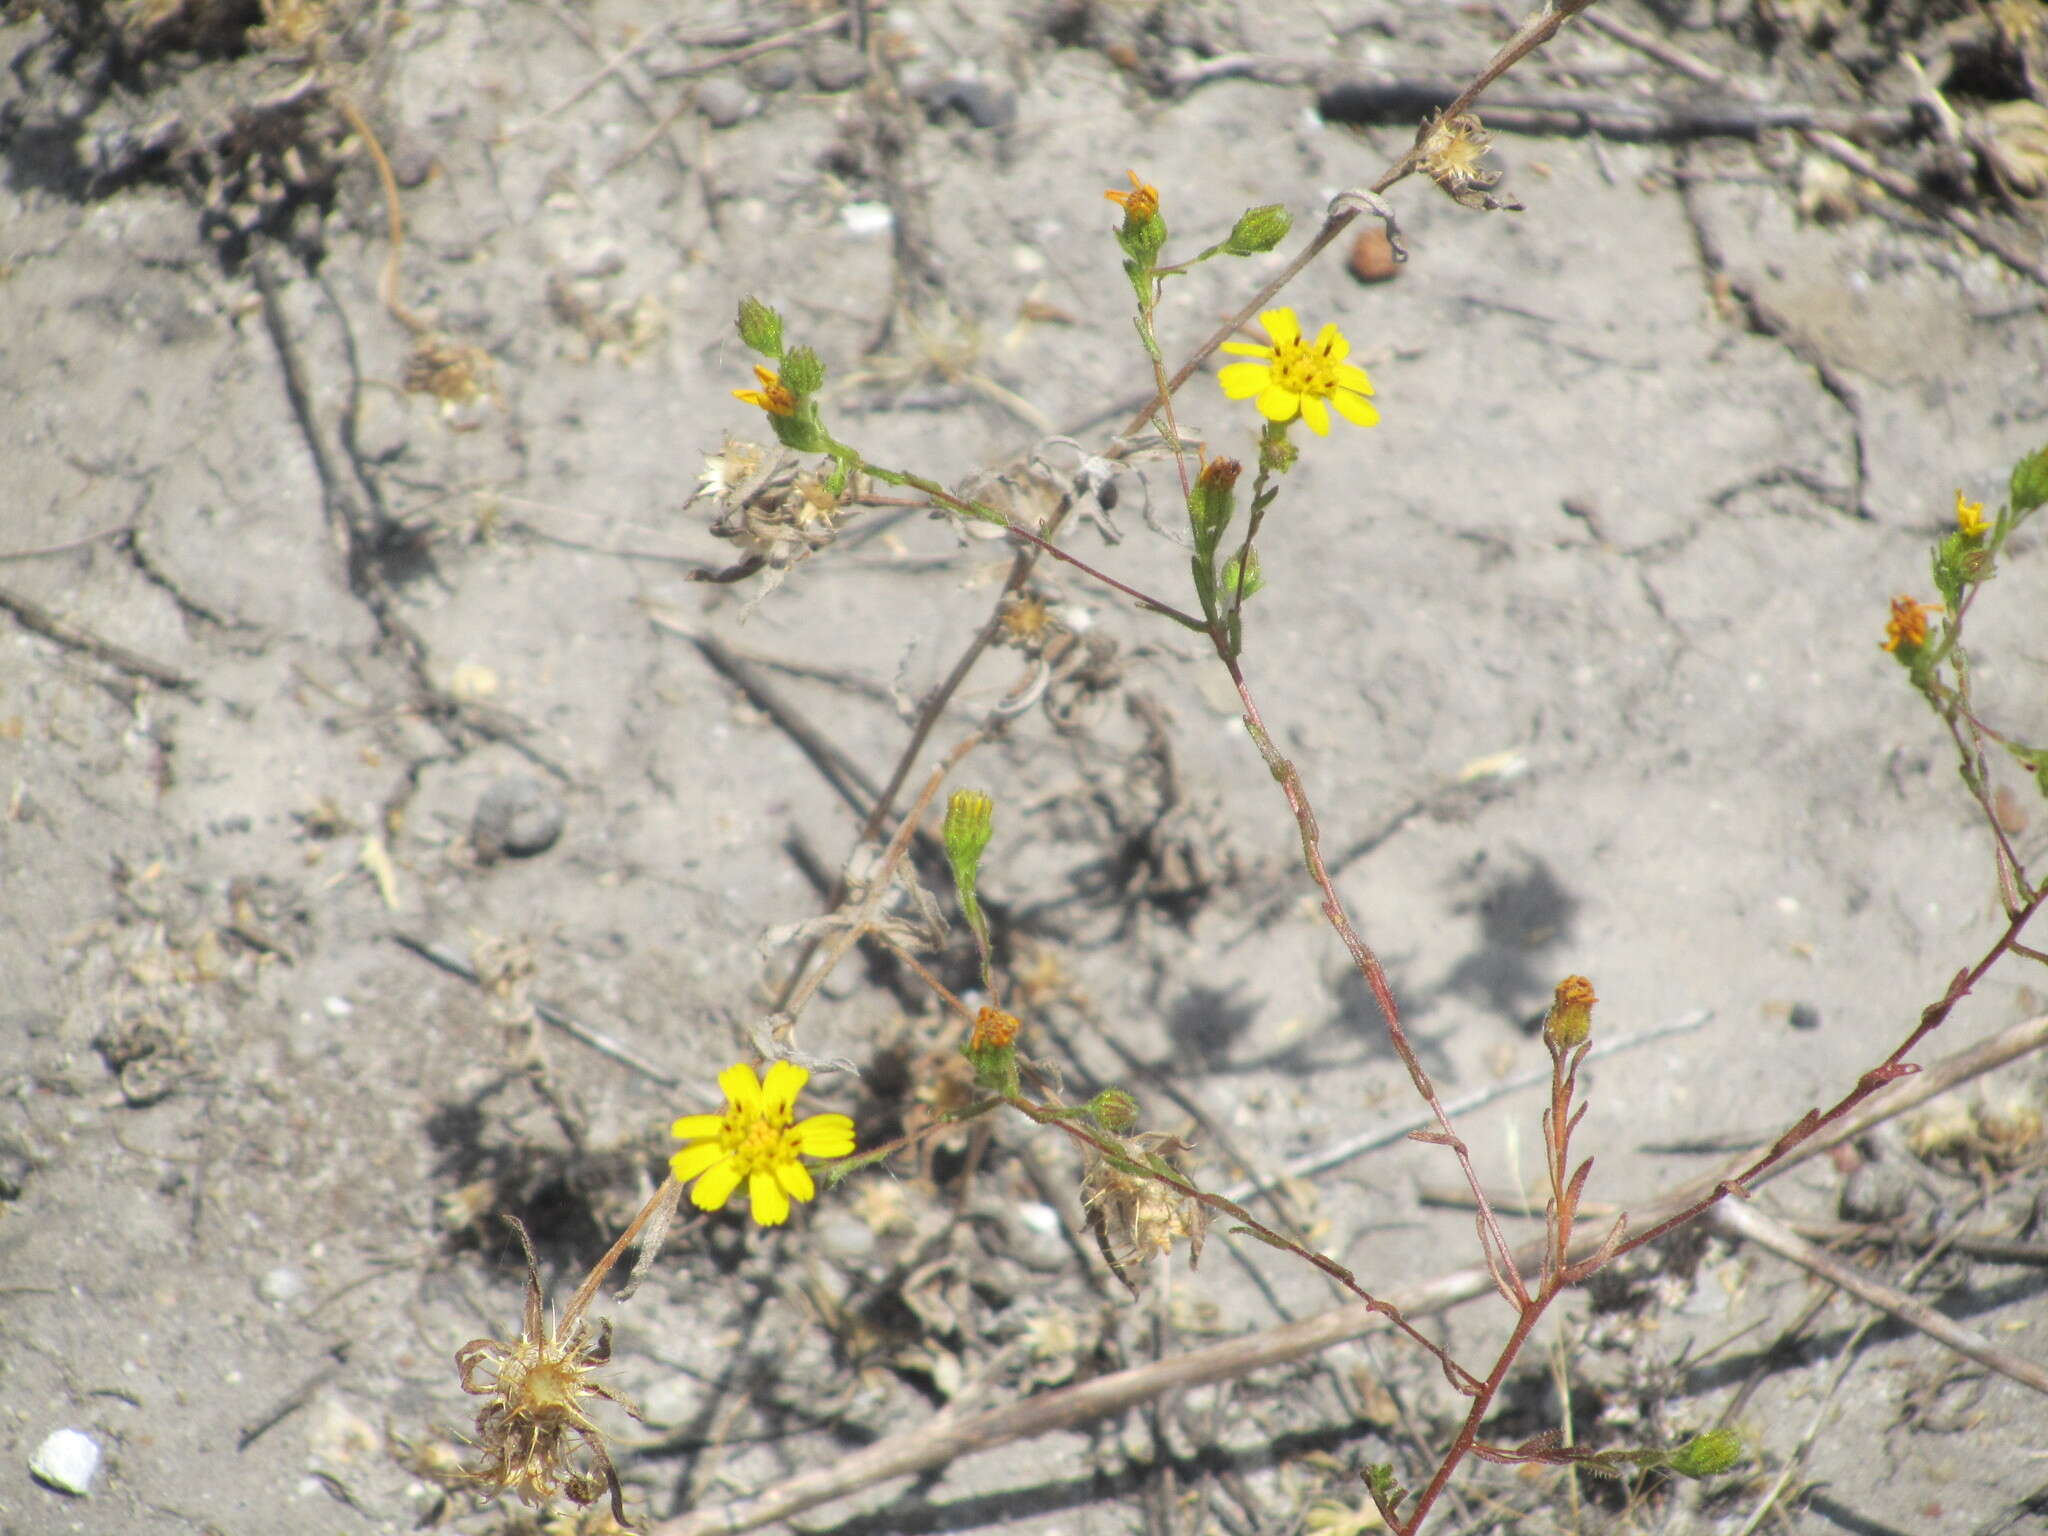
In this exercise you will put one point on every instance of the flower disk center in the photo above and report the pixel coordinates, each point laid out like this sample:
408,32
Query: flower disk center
758,1140
1301,369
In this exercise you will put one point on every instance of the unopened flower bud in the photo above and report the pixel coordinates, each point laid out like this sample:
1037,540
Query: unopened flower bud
802,371
1114,1110
1569,1023
1709,1454
760,327
2030,482
1259,229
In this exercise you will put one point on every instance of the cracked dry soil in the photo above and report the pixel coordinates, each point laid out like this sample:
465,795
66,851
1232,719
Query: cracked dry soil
322,697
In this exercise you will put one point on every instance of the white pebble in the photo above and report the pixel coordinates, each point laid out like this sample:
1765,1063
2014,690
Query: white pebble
66,1461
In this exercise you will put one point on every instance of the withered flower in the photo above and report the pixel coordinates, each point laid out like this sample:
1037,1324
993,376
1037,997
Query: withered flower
534,1432
1454,155
1135,1216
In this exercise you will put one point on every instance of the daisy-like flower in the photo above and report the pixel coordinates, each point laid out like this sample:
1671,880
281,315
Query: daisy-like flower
1970,518
753,1141
1297,376
774,396
1138,204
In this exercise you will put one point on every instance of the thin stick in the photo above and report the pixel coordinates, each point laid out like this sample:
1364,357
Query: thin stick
33,615
122,530
596,1039
1736,1218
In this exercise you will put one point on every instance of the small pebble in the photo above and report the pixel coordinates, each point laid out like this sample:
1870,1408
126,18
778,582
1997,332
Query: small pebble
282,1284
724,102
1372,257
67,1461
1874,1192
1804,1016
985,105
516,815
836,65
771,71
867,218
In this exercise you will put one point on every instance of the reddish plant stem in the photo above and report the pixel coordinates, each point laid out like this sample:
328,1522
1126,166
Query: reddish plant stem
1887,1071
1492,1240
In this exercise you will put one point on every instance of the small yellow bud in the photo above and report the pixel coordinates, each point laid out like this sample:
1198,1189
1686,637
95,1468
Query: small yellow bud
1970,518
1906,631
774,396
1569,1023
994,1030
1139,204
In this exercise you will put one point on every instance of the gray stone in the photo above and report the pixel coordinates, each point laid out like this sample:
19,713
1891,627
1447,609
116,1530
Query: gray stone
725,102
771,71
836,65
516,815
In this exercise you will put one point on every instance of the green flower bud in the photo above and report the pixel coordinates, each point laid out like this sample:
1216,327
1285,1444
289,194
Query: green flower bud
2030,482
802,371
1114,1110
1142,241
1707,1455
1213,500
1252,579
801,430
760,327
1569,1024
1258,229
970,823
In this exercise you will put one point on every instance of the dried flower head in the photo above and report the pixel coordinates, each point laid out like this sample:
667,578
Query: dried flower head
535,1434
454,374
774,511
1027,621
1136,1215
1454,155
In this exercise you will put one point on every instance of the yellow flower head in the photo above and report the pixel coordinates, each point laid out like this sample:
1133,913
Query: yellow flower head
753,1142
1298,376
774,396
1908,624
1970,518
1138,204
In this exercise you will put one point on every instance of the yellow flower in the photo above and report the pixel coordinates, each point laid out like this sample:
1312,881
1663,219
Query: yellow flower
1298,376
1970,518
774,396
1908,624
752,1141
1138,204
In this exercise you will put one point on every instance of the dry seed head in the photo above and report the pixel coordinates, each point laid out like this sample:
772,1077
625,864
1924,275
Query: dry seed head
1453,156
534,1434
1136,1217
454,374
1454,153
1027,622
